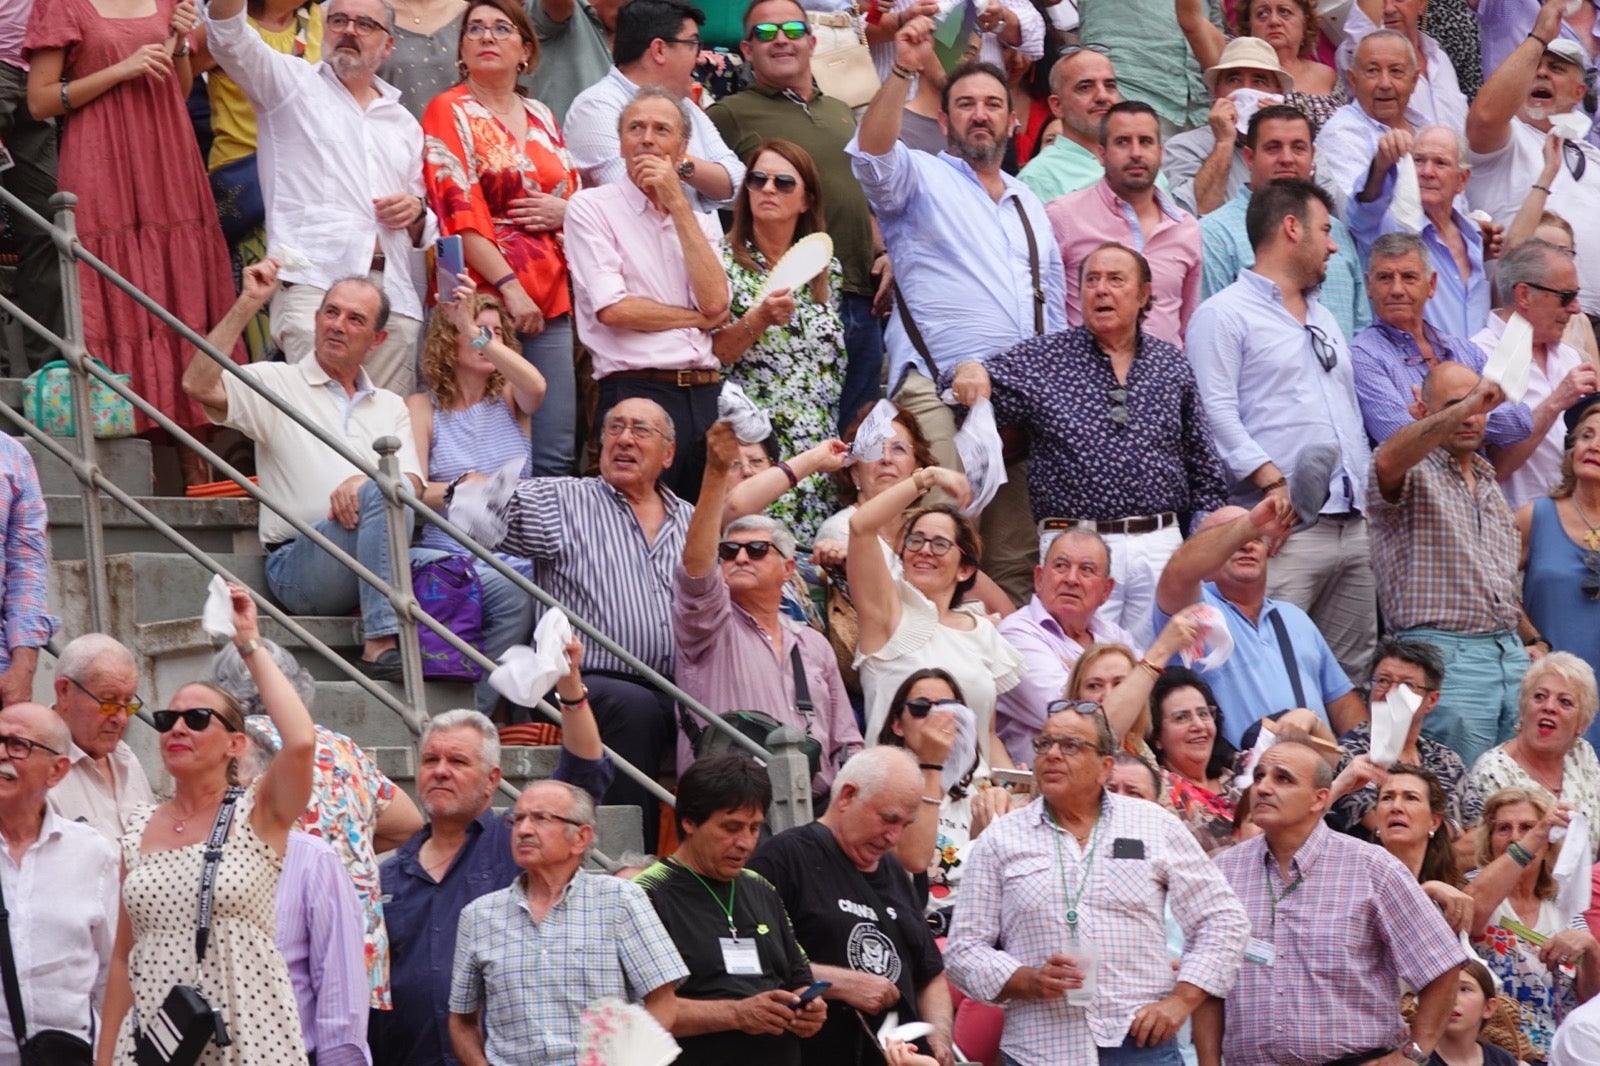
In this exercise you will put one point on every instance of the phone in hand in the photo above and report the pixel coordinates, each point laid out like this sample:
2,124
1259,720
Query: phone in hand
811,993
449,263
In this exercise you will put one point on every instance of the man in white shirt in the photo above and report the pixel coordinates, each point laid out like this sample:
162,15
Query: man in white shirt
1383,79
96,693
60,881
1438,96
341,171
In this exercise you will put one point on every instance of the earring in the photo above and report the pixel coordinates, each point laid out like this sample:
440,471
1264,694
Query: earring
522,67
1431,832
461,69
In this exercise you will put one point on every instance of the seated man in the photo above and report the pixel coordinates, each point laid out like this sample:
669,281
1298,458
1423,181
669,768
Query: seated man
300,473
1279,658
735,647
648,281
1394,355
96,693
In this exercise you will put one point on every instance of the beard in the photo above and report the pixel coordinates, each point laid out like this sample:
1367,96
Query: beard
350,65
977,153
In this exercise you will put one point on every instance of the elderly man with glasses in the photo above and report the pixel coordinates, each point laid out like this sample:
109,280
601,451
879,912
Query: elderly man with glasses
96,683
1079,877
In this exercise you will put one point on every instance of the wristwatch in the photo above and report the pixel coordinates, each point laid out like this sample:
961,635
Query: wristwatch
686,169
481,341
1412,1052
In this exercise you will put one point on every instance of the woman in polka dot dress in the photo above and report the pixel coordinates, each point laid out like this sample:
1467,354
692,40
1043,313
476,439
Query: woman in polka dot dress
242,975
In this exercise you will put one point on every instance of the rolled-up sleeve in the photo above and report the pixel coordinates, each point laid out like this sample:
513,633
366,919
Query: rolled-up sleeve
889,180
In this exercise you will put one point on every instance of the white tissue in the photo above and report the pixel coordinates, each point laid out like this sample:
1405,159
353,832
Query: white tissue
216,617
480,507
750,423
1571,126
891,1029
1512,358
1264,740
1213,644
1391,719
526,674
290,258
874,430
1246,102
959,761
1572,871
982,455
1406,204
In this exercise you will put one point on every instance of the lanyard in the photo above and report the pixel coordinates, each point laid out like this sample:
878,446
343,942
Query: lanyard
1073,896
1287,892
733,888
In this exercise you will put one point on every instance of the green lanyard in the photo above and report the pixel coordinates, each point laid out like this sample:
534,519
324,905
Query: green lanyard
733,888
1287,892
1073,897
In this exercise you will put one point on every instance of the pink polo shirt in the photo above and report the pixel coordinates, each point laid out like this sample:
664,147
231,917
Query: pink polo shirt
619,244
1084,220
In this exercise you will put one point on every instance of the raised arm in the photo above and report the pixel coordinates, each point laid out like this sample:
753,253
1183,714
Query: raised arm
1127,702
872,586
705,526
1411,443
880,126
762,489
1205,40
1506,88
284,788
202,378
1208,549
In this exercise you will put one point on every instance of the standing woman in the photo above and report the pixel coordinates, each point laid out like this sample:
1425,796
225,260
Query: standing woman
427,38
117,72
499,174
242,976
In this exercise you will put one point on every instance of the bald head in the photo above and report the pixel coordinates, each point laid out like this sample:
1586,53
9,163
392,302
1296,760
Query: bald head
1222,516
1446,383
40,723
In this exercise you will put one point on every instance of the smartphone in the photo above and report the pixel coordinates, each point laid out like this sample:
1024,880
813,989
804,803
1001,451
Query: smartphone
449,263
816,989
1014,780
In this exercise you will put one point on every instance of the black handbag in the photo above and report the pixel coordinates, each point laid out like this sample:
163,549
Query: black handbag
186,1022
47,1047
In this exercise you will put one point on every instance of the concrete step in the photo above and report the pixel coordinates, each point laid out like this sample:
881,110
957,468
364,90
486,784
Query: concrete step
126,462
216,526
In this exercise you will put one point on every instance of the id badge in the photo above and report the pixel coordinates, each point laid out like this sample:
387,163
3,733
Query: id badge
1260,951
739,956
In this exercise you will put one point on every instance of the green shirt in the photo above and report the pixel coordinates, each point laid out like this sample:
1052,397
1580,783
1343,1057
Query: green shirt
573,55
822,126
1152,57
1067,166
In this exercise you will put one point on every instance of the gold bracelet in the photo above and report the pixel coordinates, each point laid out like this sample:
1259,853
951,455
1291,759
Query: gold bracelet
931,799
1155,671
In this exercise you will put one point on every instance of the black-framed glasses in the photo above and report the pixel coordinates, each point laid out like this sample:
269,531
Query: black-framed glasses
757,550
1379,681
1208,713
922,706
110,707
500,31
1322,348
1070,746
197,719
1119,406
766,32
362,25
759,179
1591,580
19,748
540,819
1566,296
938,546
693,41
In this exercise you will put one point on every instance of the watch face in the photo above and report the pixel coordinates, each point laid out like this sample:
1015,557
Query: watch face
686,168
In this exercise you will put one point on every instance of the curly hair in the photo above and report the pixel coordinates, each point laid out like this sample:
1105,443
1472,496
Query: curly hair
439,353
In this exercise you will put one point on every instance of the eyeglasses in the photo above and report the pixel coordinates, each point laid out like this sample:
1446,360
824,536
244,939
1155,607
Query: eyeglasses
759,179
1379,681
1323,348
540,819
641,430
1565,296
768,31
1075,49
500,31
110,707
693,41
19,748
757,550
363,26
922,706
197,720
1119,406
1591,580
1208,713
1070,746
938,546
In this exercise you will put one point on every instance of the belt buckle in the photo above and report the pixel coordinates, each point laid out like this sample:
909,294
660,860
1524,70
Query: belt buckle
684,380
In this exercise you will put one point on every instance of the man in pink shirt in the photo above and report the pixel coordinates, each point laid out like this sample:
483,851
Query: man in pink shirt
1126,207
649,284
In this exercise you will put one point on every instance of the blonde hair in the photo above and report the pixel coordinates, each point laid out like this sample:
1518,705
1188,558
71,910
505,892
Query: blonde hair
1544,886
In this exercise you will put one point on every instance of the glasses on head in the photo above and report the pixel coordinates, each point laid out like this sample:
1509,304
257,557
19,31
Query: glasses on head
938,546
1073,50
757,550
692,41
1119,406
361,24
196,720
616,427
1591,580
1323,348
1385,682
1208,713
922,706
1565,296
759,179
19,748
540,819
110,707
500,31
768,31
1070,746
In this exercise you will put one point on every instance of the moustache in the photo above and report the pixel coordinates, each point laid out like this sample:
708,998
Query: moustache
8,771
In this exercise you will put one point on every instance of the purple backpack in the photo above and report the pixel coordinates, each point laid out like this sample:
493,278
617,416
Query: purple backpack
449,590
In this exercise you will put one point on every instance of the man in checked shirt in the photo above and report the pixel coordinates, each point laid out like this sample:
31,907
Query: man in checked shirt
1062,914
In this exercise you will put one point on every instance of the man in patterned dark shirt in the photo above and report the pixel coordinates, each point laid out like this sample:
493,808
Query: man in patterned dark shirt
1119,438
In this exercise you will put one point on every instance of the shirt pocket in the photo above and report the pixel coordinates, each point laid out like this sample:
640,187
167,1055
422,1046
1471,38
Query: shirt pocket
1032,884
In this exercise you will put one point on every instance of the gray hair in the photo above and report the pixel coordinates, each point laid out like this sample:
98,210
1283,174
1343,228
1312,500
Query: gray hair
1578,674
872,769
261,750
384,307
775,530
1078,533
231,675
93,652
1382,34
1456,139
669,429
656,92
1398,245
1528,262
463,718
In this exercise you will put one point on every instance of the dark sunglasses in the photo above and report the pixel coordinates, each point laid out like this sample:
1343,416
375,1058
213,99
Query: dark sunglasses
757,550
922,706
768,31
1566,296
1323,348
1591,580
758,179
1119,406
197,720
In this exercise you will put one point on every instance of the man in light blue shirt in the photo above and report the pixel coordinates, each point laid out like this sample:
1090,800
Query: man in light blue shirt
1278,144
1275,373
1382,79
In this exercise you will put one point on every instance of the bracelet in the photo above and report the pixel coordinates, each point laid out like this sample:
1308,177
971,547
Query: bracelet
1542,188
916,480
935,800
66,105
580,701
930,766
508,278
1146,664
901,72
1541,40
1519,854
249,647
788,472
1282,482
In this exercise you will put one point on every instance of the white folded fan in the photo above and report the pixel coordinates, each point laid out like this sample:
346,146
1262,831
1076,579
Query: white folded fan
1391,721
809,256
624,1034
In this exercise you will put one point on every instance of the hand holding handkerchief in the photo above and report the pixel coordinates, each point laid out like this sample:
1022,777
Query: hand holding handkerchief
526,674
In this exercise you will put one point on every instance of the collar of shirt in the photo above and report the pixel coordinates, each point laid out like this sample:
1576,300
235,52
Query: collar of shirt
1306,857
408,852
962,167
1268,605
1405,342
49,830
1495,327
1416,118
387,94
668,498
1047,818
1114,203
773,92
1481,467
1266,291
520,885
635,198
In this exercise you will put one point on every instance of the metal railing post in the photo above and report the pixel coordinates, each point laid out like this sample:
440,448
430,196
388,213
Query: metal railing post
399,587
790,771
94,544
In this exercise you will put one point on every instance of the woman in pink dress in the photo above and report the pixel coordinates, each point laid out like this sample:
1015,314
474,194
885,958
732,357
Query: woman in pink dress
118,71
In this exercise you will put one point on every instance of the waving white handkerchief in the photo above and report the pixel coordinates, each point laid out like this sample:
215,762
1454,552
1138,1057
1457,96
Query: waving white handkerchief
1213,645
216,617
1406,204
290,258
1391,719
965,746
1571,126
874,431
750,423
1508,365
1246,102
982,454
891,1029
526,674
480,507
1572,872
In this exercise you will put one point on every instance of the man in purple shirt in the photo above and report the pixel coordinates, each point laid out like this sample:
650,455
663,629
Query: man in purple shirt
320,938
735,648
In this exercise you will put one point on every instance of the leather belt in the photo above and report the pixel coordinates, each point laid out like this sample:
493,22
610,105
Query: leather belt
1140,524
683,379
378,259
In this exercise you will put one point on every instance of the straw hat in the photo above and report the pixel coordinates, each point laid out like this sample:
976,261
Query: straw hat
1249,53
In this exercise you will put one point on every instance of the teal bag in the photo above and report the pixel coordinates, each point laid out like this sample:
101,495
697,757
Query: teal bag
47,402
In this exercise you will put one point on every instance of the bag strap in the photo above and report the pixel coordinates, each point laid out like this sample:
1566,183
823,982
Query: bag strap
208,873
802,691
1033,266
913,333
1286,650
8,970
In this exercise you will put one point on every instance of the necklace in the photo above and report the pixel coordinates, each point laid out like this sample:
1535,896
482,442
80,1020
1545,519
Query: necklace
506,113
1591,538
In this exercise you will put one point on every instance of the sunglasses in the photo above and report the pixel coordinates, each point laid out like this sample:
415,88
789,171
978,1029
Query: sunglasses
110,707
756,550
1566,296
197,720
1119,406
766,32
759,179
922,706
1591,580
1323,348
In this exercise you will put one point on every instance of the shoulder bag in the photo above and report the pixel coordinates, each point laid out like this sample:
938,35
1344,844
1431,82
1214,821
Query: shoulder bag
842,64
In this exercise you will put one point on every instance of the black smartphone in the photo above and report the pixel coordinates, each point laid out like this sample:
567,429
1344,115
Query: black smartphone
816,989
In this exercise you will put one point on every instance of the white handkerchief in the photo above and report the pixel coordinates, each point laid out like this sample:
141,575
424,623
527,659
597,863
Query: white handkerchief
959,761
891,1029
874,430
1573,871
480,508
1406,204
978,444
1512,358
216,617
1570,125
526,674
1391,718
290,258
750,423
1264,740
1246,102
1214,644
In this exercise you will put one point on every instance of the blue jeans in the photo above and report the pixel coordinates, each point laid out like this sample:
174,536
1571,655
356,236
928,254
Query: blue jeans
554,423
507,615
307,580
1128,1054
1477,706
863,346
